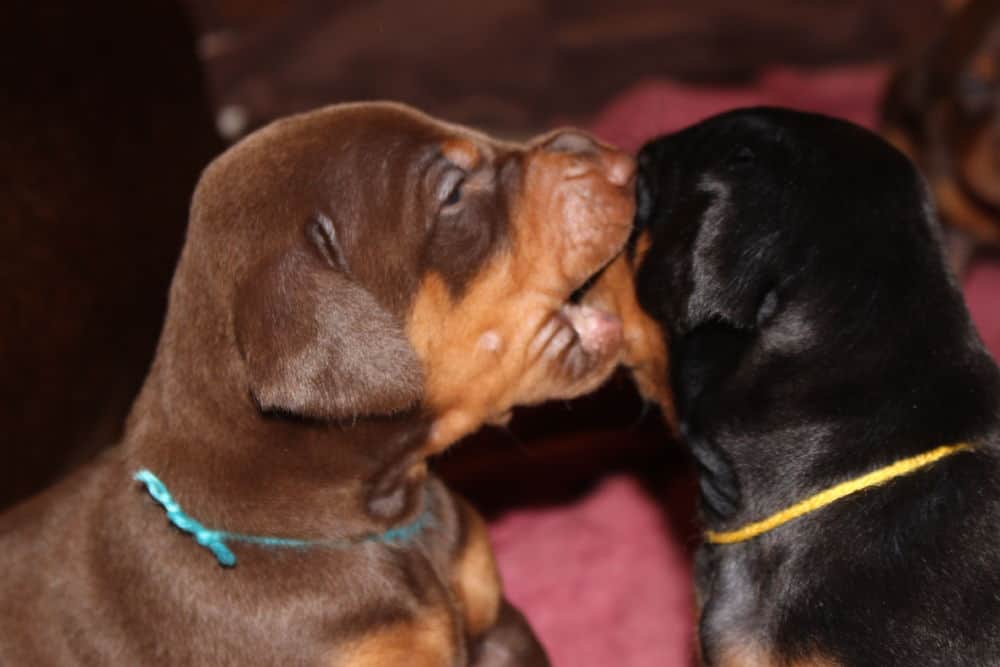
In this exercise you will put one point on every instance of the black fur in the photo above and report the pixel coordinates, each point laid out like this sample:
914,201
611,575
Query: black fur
817,335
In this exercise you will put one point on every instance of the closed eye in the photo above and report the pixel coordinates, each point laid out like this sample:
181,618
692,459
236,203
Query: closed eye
450,189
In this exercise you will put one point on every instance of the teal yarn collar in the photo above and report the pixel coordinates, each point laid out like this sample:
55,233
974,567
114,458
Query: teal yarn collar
216,540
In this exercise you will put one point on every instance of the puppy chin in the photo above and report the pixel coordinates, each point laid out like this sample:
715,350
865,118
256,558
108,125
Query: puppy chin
579,346
598,332
643,346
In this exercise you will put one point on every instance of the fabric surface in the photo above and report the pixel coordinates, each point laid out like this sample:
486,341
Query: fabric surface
606,581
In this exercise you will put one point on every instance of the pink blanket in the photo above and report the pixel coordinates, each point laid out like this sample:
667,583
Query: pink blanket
606,581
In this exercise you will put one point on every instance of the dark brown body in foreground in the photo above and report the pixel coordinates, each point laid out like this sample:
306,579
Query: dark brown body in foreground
360,287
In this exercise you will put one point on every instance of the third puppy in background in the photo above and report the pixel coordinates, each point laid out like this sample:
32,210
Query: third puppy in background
943,110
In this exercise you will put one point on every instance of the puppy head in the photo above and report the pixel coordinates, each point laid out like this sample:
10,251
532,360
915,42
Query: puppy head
780,237
943,110
507,335
366,260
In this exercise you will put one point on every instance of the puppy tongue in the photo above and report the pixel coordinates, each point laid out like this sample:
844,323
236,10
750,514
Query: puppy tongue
598,330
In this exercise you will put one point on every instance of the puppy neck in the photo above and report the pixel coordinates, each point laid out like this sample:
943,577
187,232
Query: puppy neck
276,475
750,476
792,427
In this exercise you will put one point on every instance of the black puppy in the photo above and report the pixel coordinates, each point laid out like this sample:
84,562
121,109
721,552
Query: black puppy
820,346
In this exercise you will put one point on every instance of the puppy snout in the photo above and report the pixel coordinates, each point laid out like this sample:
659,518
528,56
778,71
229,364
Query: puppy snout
618,168
572,141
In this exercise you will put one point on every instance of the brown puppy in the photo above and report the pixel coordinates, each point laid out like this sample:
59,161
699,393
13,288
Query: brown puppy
943,111
360,286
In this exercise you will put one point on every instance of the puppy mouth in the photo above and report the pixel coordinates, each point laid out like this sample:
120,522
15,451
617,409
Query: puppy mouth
597,332
582,338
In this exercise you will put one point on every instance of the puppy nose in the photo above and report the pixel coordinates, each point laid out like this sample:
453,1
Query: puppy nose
619,168
572,141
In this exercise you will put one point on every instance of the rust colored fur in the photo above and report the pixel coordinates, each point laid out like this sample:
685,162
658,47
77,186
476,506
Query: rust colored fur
941,110
645,352
360,286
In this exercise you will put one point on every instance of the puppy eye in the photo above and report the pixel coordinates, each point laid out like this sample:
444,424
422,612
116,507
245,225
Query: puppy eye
450,191
455,196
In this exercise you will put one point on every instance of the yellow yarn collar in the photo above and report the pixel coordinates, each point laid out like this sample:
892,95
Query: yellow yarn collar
835,493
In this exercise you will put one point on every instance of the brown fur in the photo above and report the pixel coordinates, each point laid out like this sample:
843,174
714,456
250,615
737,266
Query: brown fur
426,641
514,304
475,577
963,213
748,655
941,110
326,331
645,353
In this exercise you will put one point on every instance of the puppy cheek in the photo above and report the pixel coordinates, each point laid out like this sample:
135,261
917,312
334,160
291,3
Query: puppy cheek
471,348
595,226
644,349
648,359
571,353
575,218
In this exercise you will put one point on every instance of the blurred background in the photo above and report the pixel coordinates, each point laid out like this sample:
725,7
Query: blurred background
517,66
110,111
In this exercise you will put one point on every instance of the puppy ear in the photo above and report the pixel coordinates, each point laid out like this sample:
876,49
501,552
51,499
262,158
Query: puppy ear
317,345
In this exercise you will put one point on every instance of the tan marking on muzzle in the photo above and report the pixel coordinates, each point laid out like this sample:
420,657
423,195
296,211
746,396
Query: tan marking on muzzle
646,354
569,220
